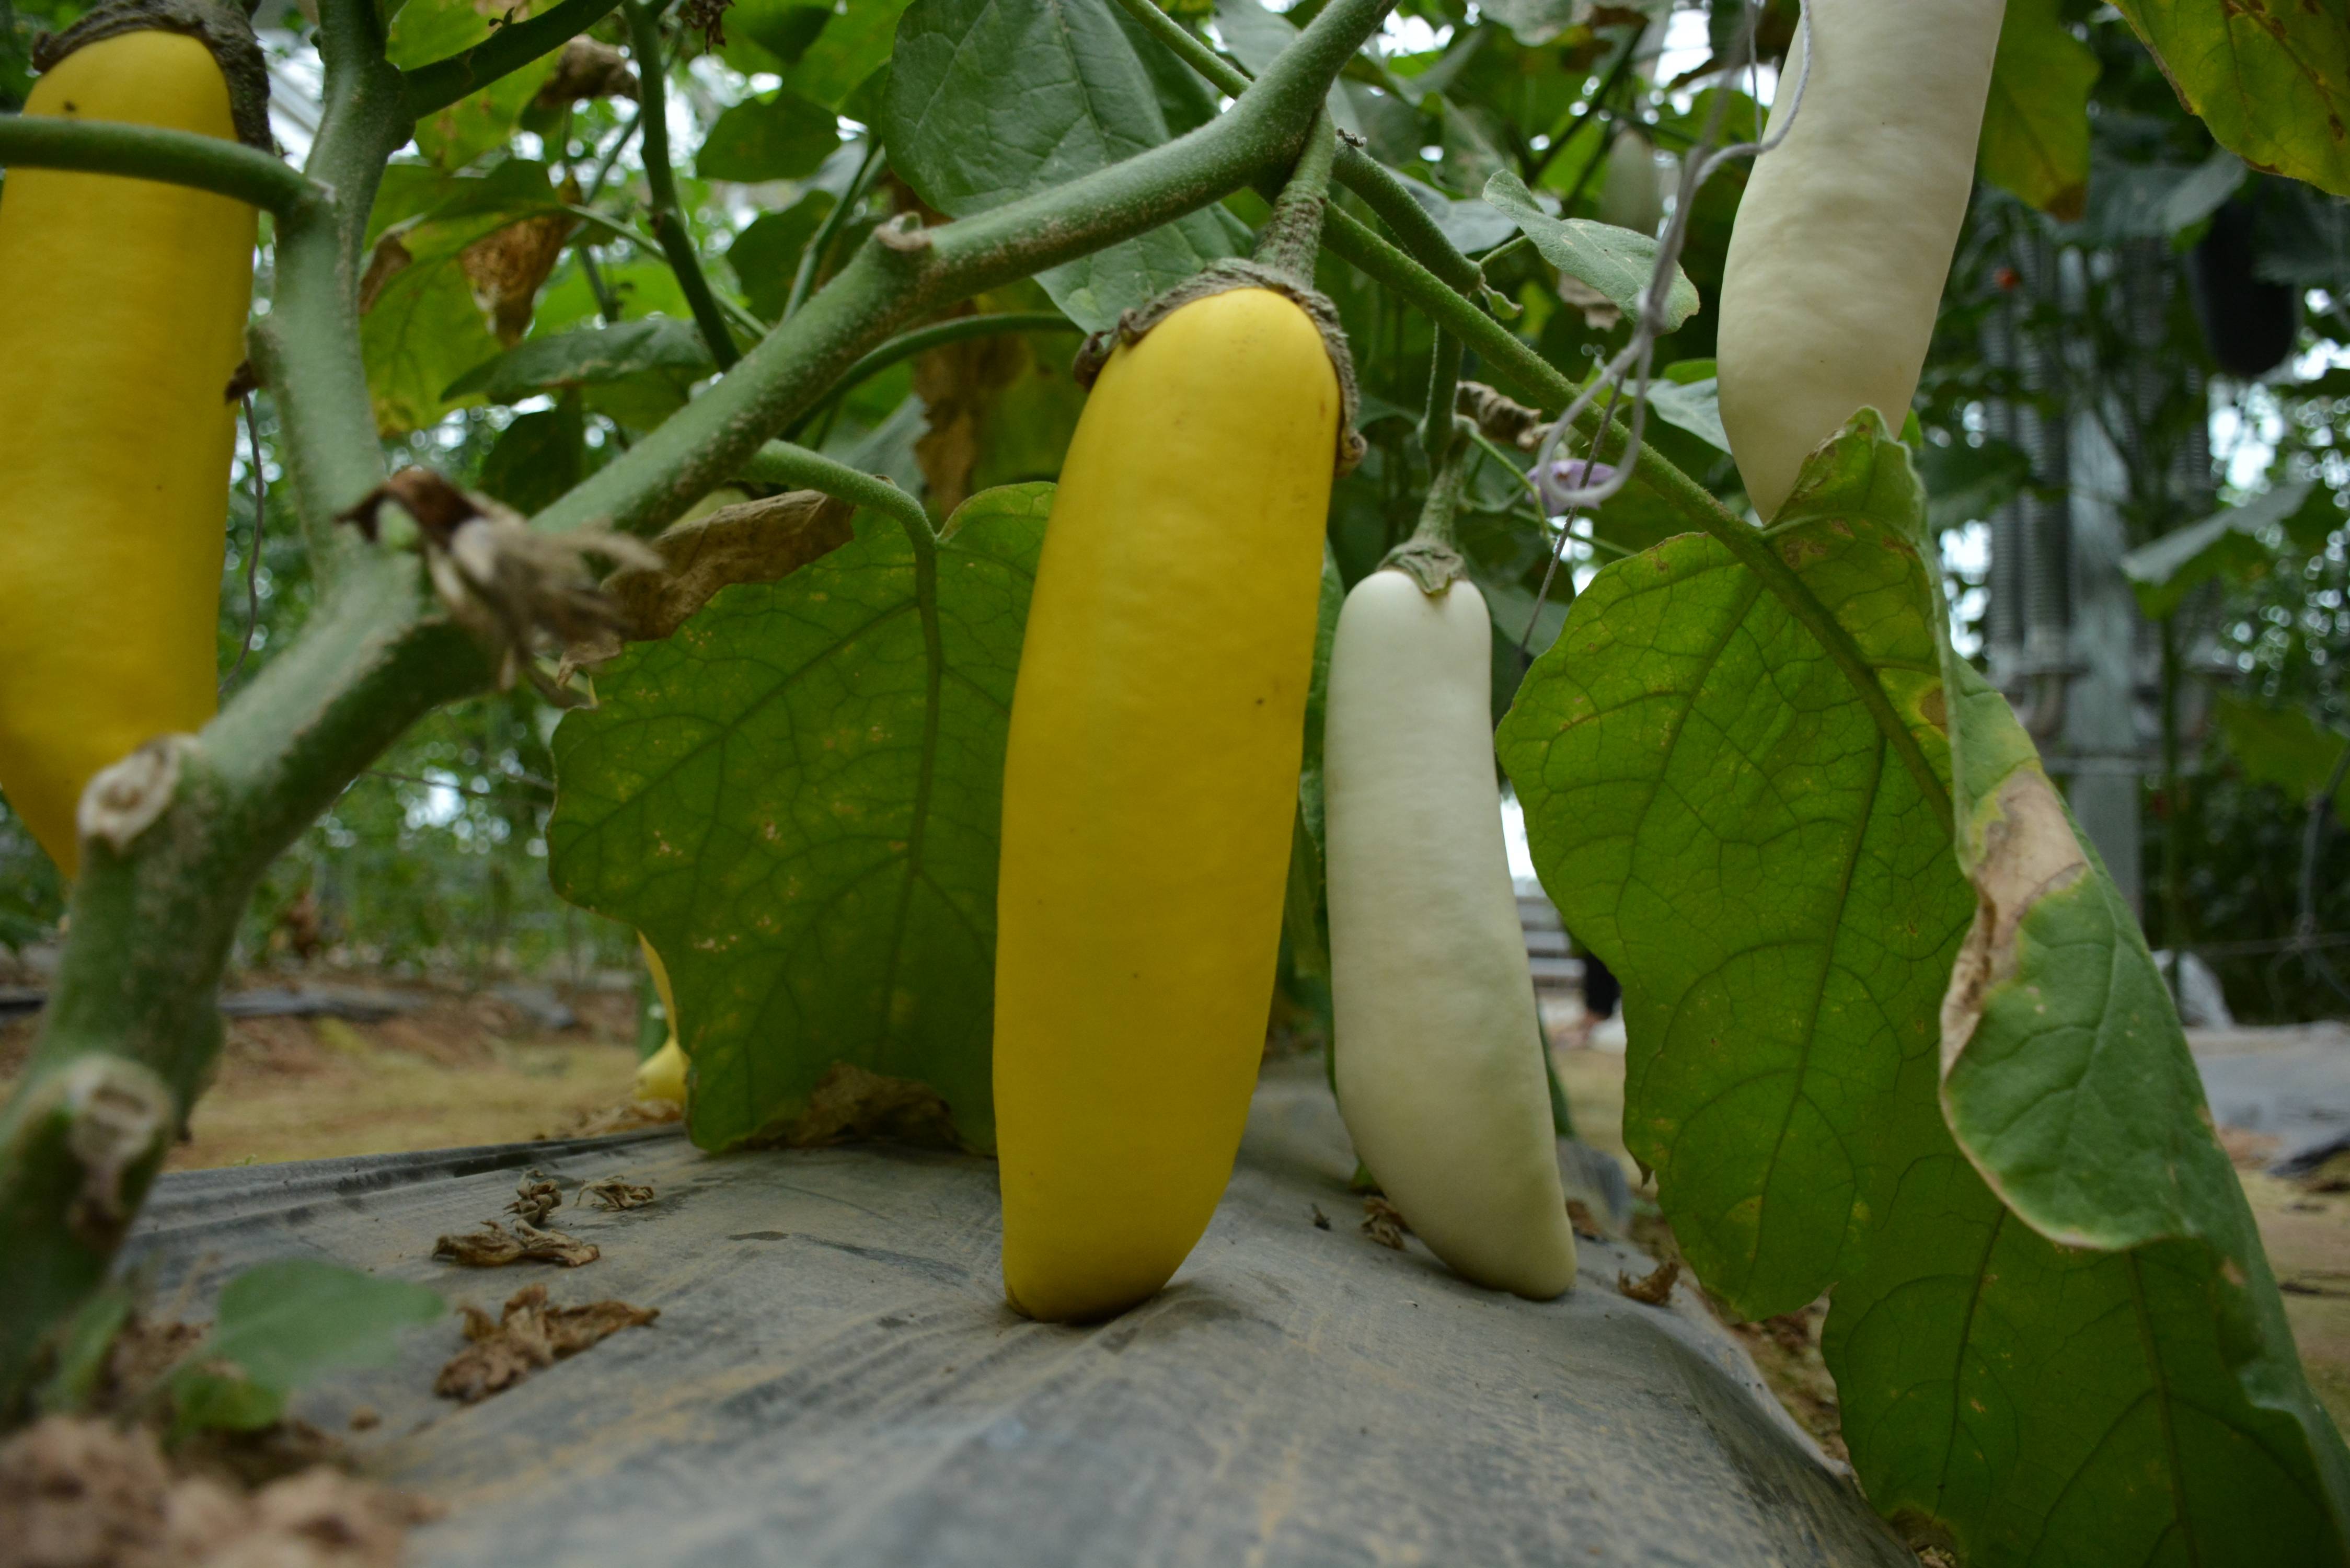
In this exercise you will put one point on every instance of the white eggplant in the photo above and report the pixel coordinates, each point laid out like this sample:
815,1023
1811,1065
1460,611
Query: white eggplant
1440,1070
1845,234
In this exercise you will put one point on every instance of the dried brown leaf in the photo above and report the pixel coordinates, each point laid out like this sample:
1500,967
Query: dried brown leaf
586,69
493,1247
849,1102
754,542
1656,1288
535,1197
612,1192
528,1335
507,267
1383,1222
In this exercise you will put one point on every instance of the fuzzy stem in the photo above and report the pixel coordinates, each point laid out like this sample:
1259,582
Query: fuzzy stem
1431,556
443,82
781,463
901,275
211,163
667,218
1438,432
1291,239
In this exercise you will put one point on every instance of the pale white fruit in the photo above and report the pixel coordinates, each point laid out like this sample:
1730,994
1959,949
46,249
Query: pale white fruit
1438,1057
1845,234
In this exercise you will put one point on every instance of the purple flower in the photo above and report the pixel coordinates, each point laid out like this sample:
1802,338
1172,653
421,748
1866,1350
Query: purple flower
1572,473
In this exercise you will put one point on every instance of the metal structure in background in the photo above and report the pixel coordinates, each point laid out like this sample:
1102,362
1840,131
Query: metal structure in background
2113,459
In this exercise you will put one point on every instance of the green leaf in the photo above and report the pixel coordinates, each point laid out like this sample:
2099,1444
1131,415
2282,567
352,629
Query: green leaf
81,1347
2283,746
537,458
2271,79
1716,817
1751,857
429,30
1692,406
2035,129
796,798
284,1324
1471,226
1615,262
779,136
588,357
2066,1082
766,256
846,55
989,102
1534,22
1967,484
2226,543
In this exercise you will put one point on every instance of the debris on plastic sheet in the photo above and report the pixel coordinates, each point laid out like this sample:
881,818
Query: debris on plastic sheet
613,1193
530,1334
536,1197
493,1247
625,1117
1383,1222
1654,1289
1321,1221
1579,1214
83,1491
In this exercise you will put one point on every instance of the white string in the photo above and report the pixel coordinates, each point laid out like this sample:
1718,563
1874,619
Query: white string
1561,501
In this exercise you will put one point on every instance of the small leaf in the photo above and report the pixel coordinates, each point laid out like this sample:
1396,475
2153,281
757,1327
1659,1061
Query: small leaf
780,137
1967,484
796,798
765,257
1615,262
1692,406
537,458
2283,746
588,357
2035,129
282,1325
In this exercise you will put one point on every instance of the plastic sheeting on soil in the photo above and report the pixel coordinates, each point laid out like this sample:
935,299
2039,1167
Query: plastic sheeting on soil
835,1379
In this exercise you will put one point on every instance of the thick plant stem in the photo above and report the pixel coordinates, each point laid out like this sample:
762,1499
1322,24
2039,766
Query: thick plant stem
1292,240
902,275
1438,432
510,48
1355,168
176,157
1432,555
667,218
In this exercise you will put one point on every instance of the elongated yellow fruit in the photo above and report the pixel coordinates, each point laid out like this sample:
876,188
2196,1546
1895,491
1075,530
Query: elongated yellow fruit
1845,234
124,305
662,1075
1439,1055
1149,789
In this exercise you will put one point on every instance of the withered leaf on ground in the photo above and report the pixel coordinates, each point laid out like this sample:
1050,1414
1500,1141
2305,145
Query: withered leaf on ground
536,1197
493,1246
528,1335
1383,1222
1656,1288
612,1192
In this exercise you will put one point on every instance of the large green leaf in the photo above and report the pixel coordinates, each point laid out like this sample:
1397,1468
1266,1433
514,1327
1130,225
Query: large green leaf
2036,131
780,137
1615,262
1716,814
2271,78
990,102
796,798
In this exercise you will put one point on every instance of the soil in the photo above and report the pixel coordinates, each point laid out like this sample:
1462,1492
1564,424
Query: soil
463,1069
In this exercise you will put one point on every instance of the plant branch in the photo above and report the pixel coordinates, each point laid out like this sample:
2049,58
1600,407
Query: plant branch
938,335
903,275
212,163
443,82
1292,240
1356,169
669,227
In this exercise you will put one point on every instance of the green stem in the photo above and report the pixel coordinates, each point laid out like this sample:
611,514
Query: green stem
212,163
1610,81
819,246
1438,432
1356,169
669,227
938,335
789,467
443,82
1292,240
901,275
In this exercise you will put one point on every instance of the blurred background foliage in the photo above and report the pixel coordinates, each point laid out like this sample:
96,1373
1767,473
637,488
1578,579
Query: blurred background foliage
522,325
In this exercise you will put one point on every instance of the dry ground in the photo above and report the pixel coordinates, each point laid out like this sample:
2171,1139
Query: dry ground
464,1070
